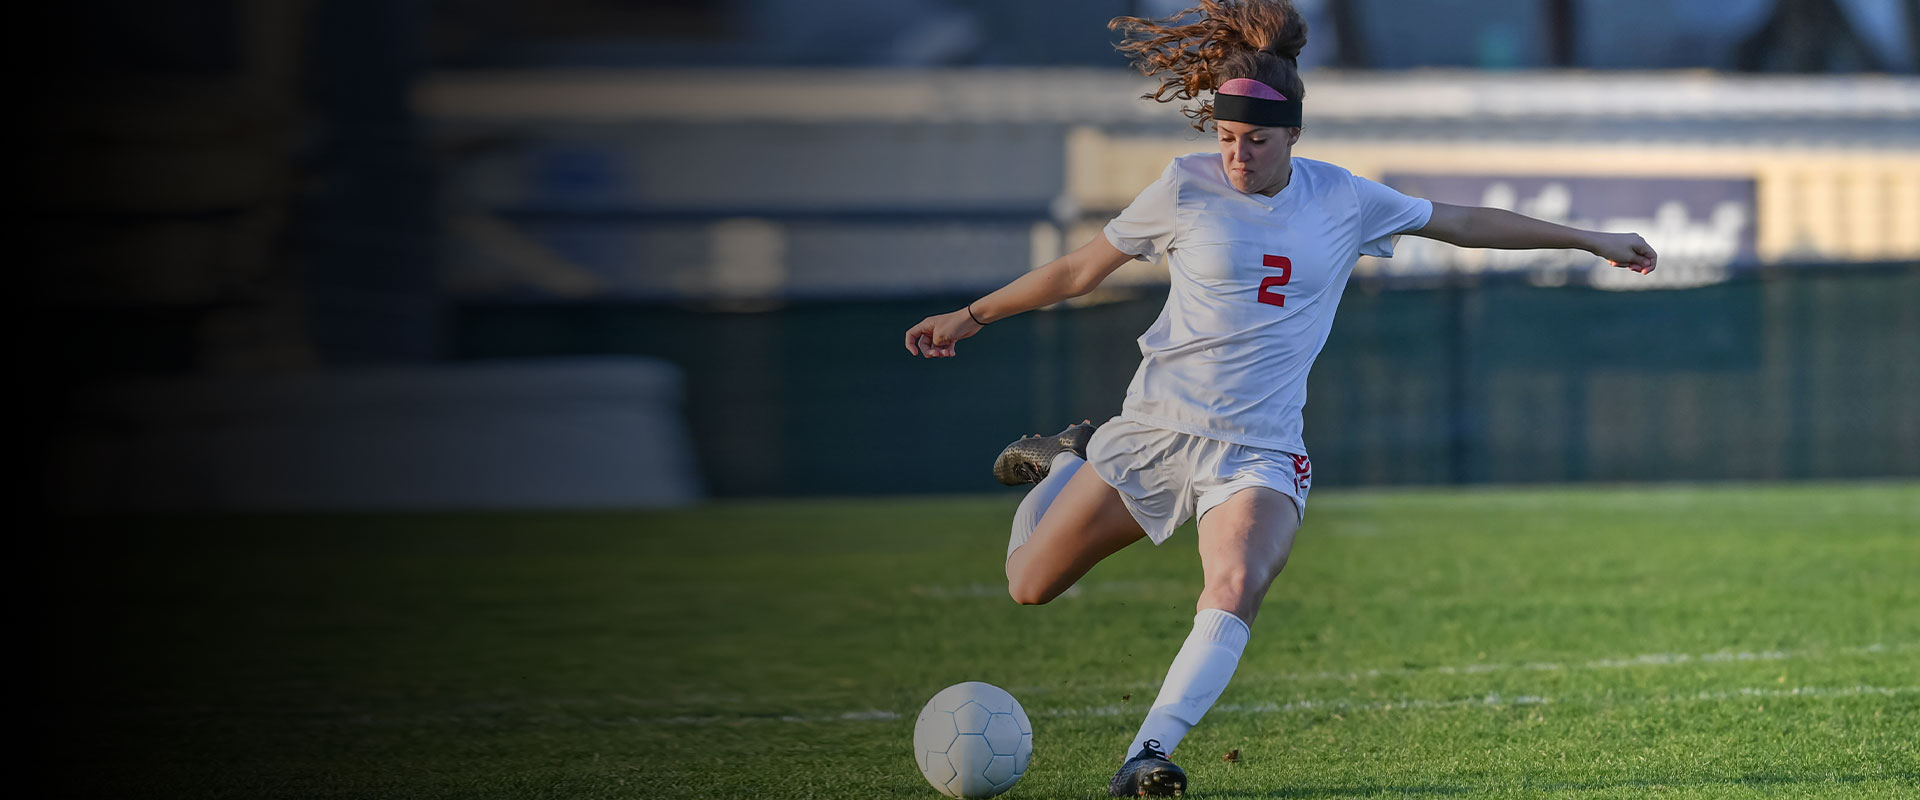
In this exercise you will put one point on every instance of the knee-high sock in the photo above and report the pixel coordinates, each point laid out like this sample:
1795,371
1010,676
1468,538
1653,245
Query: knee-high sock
1198,675
1040,497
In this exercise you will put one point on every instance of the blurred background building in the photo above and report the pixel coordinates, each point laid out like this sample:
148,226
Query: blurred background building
479,253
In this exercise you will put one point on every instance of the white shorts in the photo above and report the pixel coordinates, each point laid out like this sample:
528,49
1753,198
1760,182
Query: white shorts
1167,477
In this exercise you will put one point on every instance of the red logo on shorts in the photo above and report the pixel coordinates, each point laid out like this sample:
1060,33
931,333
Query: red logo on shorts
1302,472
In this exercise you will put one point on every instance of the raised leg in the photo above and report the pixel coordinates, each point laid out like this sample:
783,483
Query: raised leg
1086,523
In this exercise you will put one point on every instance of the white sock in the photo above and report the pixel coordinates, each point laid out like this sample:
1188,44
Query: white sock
1198,675
1040,497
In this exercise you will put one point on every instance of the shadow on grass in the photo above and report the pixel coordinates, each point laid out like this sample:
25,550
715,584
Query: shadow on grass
1422,790
1340,791
1743,780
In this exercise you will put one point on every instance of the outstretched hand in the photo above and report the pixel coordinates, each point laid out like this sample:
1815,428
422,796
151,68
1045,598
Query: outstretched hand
1626,250
935,336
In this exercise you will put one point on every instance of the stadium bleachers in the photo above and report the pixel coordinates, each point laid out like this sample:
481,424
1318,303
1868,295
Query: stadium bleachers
797,184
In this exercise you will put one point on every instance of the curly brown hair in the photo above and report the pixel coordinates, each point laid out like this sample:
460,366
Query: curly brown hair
1258,39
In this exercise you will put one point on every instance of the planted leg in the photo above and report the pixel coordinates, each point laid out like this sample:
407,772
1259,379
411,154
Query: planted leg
1244,543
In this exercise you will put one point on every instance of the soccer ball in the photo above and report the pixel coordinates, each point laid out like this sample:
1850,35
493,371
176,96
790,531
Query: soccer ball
973,740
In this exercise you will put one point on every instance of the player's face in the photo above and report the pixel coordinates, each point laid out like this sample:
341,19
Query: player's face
1256,159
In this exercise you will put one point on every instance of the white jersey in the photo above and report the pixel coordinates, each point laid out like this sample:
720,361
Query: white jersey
1256,280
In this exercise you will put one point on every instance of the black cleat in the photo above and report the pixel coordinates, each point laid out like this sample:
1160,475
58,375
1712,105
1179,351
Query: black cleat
1148,774
1028,459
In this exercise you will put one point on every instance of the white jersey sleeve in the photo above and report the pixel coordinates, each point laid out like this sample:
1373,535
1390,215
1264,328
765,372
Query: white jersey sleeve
1385,214
1145,230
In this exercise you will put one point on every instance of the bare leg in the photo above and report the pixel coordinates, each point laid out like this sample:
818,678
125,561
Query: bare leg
1244,543
1085,524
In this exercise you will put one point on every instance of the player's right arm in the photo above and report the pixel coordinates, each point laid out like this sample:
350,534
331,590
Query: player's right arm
1071,275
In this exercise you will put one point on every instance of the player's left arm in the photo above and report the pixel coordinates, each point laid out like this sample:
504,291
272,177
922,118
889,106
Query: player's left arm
1473,226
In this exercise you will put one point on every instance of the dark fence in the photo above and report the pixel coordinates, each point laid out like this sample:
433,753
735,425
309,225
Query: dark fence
1779,374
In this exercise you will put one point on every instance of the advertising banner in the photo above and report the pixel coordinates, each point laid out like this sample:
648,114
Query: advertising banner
1702,227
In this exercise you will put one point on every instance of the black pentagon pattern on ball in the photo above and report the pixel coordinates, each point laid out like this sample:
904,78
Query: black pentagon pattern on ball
974,749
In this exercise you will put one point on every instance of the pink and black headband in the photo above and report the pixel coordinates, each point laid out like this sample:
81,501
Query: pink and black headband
1255,103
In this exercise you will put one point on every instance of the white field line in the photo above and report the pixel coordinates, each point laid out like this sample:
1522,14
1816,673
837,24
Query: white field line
1261,679
1619,662
998,591
1257,679
1339,705
1333,705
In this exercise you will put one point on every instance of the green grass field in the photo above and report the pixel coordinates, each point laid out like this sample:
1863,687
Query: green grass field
1759,641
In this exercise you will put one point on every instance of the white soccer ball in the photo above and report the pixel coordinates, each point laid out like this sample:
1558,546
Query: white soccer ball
973,740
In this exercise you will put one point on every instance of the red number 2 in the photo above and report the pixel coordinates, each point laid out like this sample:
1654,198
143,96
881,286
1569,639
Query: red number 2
1285,265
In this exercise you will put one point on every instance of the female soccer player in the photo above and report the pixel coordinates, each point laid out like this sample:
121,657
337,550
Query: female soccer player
1260,246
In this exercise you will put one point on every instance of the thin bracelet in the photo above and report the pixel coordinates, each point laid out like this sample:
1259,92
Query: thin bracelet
976,320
